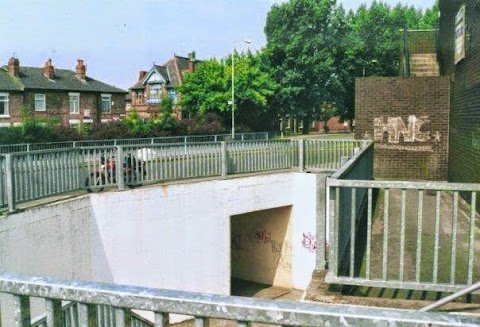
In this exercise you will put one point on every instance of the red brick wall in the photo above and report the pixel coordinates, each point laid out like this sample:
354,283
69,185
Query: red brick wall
58,106
408,119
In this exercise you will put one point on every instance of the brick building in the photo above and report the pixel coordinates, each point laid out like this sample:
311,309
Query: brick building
161,81
432,112
459,58
69,96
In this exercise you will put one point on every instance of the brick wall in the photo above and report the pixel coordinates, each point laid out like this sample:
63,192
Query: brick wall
58,106
464,156
408,119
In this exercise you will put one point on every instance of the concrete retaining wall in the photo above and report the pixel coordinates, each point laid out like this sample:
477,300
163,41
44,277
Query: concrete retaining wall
173,236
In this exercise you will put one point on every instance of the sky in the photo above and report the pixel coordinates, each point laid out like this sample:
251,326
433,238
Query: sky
118,38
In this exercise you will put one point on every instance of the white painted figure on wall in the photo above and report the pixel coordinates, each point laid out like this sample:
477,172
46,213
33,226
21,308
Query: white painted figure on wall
394,130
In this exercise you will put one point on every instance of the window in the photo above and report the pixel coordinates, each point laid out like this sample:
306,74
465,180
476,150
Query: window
172,94
40,102
139,97
155,90
106,102
4,104
74,103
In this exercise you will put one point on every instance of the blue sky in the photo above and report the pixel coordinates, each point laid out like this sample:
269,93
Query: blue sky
117,38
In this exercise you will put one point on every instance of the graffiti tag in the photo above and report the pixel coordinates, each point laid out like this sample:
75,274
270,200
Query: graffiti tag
394,130
309,242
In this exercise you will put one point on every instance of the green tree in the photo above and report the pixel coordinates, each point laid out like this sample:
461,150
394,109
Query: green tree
208,90
303,44
374,38
135,125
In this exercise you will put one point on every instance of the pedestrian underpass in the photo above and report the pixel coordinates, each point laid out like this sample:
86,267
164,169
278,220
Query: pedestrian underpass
177,236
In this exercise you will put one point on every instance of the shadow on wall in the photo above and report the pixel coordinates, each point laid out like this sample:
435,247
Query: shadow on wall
261,246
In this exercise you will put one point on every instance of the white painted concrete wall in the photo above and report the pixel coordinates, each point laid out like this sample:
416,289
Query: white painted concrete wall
173,236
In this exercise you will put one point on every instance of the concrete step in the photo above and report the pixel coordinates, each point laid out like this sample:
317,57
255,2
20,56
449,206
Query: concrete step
424,64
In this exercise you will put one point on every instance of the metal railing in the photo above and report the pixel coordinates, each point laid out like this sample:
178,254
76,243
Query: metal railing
10,148
33,175
201,307
418,235
68,316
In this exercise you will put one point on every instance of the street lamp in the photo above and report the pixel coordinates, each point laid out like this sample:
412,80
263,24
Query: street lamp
232,102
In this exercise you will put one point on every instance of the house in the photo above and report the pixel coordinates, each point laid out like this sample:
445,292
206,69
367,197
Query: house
161,81
69,96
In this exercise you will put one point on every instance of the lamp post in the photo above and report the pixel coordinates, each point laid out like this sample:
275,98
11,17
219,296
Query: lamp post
232,102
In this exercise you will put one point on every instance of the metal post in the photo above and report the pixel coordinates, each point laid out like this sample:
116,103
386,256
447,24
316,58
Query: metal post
10,182
54,313
87,315
162,319
119,168
123,317
223,147
301,154
21,311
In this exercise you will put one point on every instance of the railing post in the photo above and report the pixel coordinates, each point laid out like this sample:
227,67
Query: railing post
87,315
162,319
322,217
54,313
119,168
21,311
123,317
301,155
10,182
223,149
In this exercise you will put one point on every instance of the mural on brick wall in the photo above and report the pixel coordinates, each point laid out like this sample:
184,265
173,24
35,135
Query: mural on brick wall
393,130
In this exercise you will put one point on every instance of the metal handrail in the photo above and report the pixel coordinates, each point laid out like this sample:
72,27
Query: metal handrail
450,298
203,306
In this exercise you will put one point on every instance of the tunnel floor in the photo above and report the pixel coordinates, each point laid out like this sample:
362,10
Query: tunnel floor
241,287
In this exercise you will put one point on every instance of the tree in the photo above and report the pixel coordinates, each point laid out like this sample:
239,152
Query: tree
303,44
208,90
374,39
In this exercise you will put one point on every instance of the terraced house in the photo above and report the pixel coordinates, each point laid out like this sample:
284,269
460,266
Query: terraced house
161,81
69,96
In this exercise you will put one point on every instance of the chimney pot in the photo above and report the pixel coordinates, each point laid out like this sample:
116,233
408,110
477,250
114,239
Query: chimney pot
191,63
141,75
48,69
80,70
14,67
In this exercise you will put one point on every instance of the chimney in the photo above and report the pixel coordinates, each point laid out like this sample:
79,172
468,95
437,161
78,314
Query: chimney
14,67
142,74
191,63
80,70
48,69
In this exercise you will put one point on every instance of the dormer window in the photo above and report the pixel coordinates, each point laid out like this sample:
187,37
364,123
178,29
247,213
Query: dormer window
155,92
